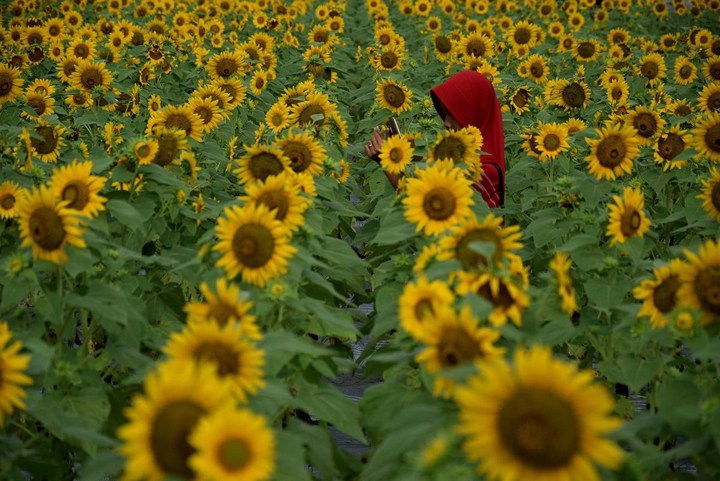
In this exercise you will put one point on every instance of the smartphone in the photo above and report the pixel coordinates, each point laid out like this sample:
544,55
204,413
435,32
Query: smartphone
393,126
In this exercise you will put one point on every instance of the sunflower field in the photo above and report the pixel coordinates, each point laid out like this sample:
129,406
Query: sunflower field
196,253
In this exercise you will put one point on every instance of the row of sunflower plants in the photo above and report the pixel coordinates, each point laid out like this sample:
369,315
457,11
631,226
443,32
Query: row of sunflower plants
190,227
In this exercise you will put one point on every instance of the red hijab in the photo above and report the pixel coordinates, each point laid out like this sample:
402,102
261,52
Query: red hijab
470,98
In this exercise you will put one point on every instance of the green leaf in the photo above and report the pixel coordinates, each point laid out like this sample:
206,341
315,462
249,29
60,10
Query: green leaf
632,371
386,306
291,465
393,229
677,400
605,295
325,402
281,346
104,465
125,213
326,320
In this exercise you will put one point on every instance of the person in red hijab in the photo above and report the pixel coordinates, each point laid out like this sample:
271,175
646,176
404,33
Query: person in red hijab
468,98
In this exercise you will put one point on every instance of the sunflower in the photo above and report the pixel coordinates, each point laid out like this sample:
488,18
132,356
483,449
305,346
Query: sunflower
395,154
420,301
508,299
260,162
304,152
618,35
209,112
182,118
388,58
560,265
612,154
576,21
227,305
539,419
10,84
456,245
233,444
235,358
575,125
679,108
160,421
711,68
258,82
652,67
456,340
75,185
314,110
171,142
700,281
586,50
659,294
89,75
477,45
618,91
12,376
571,95
211,92
281,196
535,68
44,141
226,64
10,195
626,216
521,34
438,198
443,46
341,171
48,225
669,145
709,98
710,194
685,72
253,244
520,100
706,137
394,96
277,117
551,140
646,122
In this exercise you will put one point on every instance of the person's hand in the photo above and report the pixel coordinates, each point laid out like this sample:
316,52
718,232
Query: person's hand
372,148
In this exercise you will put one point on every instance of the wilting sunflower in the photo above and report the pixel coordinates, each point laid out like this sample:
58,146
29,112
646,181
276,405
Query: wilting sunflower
388,58
12,375
646,122
460,146
304,152
612,154
420,301
539,419
226,64
395,154
253,244
48,225
314,110
560,265
438,198
75,185
552,140
235,358
652,67
260,162
44,141
171,142
10,84
709,98
626,216
281,196
700,278
711,194
659,294
393,95
706,137
456,340
506,294
89,75
227,305
456,245
669,145
182,117
685,71
277,117
10,194
233,444
160,421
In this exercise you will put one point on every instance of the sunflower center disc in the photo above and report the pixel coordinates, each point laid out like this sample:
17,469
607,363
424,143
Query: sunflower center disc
520,99
645,125
91,78
221,312
476,48
46,228
424,308
611,151
713,102
664,295
539,428
471,259
715,196
536,70
573,95
707,289
77,194
649,70
265,164
234,454
226,67
630,222
712,138
299,156
715,70
450,148
224,357
168,437
551,142
5,86
443,44
306,117
586,49
394,96
275,200
179,121
49,140
8,201
439,204
671,146
395,155
522,36
167,149
253,245
389,60
205,114
456,347
503,299
685,71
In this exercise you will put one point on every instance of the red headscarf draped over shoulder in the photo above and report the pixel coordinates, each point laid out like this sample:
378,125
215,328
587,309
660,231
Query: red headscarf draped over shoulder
470,98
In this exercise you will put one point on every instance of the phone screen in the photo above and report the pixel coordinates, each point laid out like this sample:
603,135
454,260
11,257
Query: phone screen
393,126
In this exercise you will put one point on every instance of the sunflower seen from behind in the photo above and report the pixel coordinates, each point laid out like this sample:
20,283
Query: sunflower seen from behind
537,419
253,244
48,225
177,395
12,374
700,277
75,185
613,152
396,153
626,216
438,198
227,304
659,295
